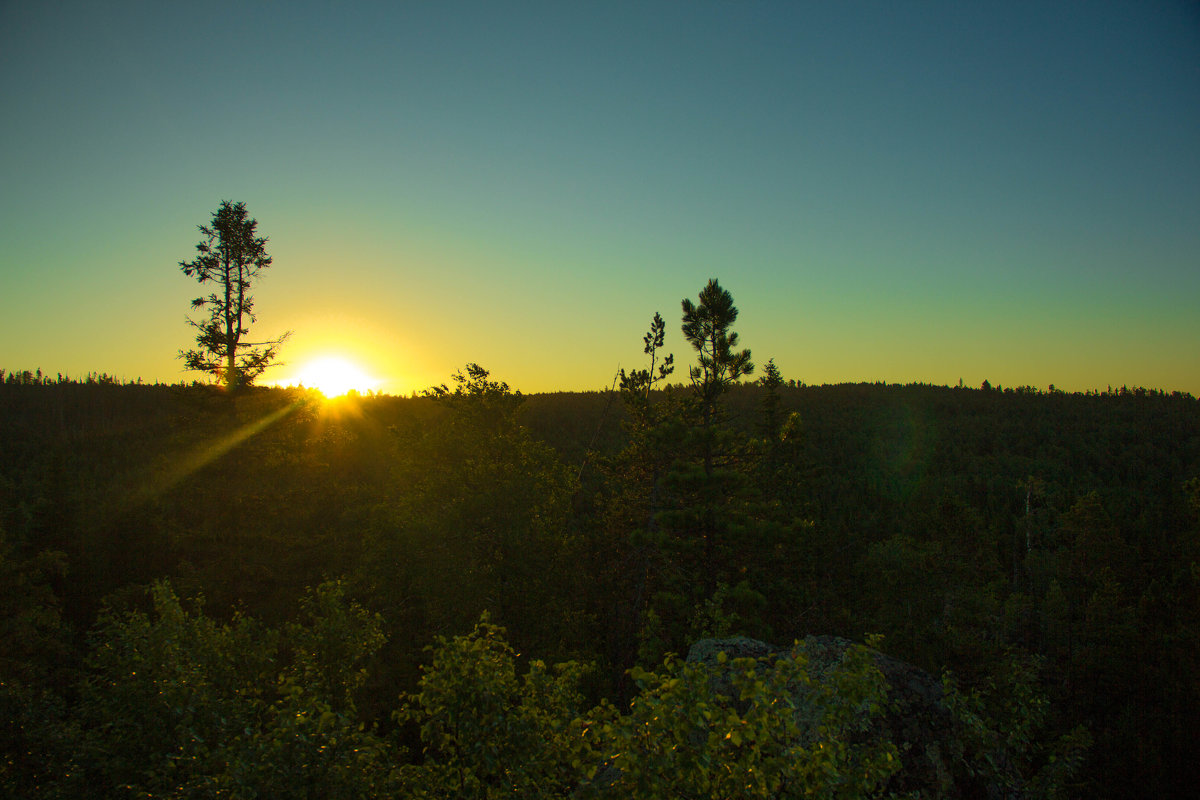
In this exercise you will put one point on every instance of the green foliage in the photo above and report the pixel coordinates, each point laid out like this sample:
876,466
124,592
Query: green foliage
730,610
37,737
179,704
712,527
330,647
760,731
963,524
746,730
1003,727
488,733
772,417
39,742
477,521
478,401
33,639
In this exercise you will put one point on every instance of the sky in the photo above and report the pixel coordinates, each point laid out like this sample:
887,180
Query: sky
902,192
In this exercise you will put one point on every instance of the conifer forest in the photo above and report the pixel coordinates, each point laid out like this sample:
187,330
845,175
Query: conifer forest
475,593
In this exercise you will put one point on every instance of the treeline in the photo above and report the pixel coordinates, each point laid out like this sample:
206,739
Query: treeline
1041,546
27,377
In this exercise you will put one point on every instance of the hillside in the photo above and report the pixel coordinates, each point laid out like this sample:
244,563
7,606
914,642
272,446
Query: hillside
1005,535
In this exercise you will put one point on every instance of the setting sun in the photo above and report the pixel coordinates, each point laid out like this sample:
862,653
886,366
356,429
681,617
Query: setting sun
334,376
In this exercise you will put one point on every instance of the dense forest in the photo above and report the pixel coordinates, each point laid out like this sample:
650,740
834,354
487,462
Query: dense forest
266,594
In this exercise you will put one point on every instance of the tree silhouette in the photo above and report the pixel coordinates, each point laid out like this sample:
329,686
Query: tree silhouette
232,256
772,417
636,386
706,327
704,499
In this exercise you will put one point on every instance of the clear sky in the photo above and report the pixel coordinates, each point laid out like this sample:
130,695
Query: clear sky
891,191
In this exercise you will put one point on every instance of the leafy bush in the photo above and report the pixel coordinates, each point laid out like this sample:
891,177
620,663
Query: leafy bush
181,705
759,731
488,733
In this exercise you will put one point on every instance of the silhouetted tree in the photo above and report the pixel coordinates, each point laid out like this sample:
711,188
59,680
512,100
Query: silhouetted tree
626,543
707,328
702,515
772,418
232,256
636,386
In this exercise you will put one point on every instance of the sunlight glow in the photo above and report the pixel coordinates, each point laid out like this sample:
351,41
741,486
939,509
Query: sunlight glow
204,454
333,376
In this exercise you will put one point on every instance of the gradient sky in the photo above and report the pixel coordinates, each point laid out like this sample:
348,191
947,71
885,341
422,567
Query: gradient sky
891,191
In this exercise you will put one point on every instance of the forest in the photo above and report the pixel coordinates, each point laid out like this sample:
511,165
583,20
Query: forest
476,593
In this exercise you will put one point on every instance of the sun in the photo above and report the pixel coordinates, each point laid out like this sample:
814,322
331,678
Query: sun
333,376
